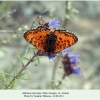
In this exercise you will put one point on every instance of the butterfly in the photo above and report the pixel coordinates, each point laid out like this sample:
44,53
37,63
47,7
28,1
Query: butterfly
48,41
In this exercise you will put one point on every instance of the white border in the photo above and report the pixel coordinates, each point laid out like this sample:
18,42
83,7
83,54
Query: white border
72,94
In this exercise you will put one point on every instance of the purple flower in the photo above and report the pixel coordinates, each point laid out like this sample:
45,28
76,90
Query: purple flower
67,51
54,22
74,59
76,71
70,62
50,56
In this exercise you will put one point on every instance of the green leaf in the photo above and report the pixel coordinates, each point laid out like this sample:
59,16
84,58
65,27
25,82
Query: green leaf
69,6
3,50
24,78
75,11
37,58
25,27
4,41
25,58
3,84
34,49
15,71
0,84
7,74
20,75
15,86
4,77
20,60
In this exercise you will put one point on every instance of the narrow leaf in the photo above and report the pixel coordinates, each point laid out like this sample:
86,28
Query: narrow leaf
20,60
25,58
4,77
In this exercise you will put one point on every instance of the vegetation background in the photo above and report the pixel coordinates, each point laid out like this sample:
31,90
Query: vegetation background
80,17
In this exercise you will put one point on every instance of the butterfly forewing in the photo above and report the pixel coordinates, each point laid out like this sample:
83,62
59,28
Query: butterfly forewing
64,40
37,37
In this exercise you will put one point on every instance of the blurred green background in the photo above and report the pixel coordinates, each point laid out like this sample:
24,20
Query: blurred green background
80,17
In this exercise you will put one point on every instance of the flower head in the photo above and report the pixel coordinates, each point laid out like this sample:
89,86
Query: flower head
54,22
50,56
67,51
74,59
77,71
70,63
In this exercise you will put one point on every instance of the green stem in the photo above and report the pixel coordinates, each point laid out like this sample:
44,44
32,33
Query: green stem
23,67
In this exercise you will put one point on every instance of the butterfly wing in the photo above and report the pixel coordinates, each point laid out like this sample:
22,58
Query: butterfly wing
64,39
37,37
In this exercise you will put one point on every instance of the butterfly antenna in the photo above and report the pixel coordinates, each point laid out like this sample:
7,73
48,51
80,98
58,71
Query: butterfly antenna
39,19
44,11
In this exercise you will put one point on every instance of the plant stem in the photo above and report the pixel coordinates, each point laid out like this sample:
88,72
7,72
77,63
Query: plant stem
54,72
60,82
66,12
23,67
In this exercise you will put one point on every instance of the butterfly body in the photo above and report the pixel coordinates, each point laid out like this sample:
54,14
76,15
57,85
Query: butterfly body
50,41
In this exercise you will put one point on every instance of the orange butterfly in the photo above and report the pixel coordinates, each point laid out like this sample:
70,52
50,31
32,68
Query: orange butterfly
50,41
